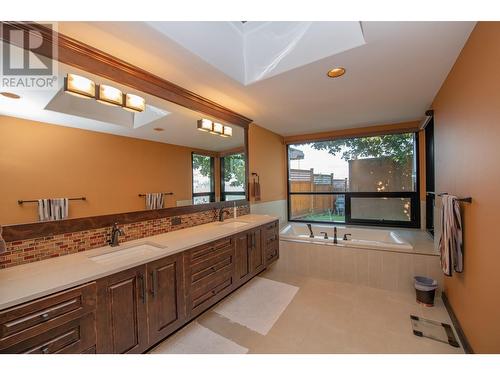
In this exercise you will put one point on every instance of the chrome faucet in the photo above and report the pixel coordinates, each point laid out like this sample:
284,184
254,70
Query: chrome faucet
345,236
311,235
325,235
115,232
335,235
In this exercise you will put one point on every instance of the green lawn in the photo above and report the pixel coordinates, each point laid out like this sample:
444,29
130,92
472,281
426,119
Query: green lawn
323,216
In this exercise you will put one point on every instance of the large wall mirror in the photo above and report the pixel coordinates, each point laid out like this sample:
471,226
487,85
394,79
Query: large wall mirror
77,140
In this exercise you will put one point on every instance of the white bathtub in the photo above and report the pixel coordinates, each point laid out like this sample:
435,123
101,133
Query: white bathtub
380,239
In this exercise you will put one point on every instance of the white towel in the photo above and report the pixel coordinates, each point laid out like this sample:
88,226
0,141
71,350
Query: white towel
53,209
450,243
154,201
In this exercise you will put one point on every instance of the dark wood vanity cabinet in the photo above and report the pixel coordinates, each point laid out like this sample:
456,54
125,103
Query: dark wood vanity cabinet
61,323
122,312
166,310
140,306
132,310
209,274
270,242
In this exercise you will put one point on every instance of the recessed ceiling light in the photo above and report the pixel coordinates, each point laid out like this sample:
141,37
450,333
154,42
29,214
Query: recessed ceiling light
336,72
158,129
10,95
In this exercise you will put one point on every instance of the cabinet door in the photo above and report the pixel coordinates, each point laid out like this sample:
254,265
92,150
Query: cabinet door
256,252
242,258
121,312
165,304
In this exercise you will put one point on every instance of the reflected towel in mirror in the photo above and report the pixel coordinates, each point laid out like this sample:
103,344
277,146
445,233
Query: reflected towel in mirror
154,201
53,209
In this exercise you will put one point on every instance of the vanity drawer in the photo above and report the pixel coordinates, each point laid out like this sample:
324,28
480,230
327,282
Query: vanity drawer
203,252
32,318
209,266
271,231
212,290
74,337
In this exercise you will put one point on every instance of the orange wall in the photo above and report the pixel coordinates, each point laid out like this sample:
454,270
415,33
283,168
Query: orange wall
467,136
267,158
39,160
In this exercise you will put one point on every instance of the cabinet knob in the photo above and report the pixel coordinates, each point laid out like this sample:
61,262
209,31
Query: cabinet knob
214,269
45,350
44,315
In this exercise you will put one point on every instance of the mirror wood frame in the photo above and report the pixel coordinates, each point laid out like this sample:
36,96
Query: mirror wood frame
85,57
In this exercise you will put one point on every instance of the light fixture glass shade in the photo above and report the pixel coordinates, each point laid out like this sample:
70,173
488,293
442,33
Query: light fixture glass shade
110,95
134,103
205,125
218,128
79,86
227,131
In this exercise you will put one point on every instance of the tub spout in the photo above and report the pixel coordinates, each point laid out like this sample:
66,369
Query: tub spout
311,235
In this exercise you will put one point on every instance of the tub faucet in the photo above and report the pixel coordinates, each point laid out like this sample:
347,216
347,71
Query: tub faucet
345,236
311,235
325,235
115,232
335,235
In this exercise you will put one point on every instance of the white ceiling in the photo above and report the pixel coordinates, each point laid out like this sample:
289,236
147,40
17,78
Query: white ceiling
253,51
393,77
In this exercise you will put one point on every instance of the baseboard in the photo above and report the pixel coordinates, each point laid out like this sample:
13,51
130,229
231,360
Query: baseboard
456,324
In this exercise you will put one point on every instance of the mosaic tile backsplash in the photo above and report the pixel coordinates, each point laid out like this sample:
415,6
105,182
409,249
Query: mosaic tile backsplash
36,249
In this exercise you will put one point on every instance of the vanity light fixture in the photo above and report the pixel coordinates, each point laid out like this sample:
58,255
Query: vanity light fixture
109,95
336,72
134,103
218,128
79,86
227,131
205,125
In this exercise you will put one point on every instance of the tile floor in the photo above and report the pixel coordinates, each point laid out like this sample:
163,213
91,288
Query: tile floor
322,317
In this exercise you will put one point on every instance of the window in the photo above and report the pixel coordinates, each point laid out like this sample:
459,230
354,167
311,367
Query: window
233,174
363,180
203,179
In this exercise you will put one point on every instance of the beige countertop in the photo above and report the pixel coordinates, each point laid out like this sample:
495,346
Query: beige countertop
34,280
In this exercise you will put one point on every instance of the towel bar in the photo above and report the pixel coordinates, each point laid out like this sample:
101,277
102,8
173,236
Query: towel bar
465,199
20,201
169,193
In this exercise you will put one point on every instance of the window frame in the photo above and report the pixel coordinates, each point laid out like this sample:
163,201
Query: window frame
223,193
414,196
210,193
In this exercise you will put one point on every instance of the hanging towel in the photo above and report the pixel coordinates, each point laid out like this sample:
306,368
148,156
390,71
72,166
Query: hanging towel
256,187
53,209
154,201
450,243
3,245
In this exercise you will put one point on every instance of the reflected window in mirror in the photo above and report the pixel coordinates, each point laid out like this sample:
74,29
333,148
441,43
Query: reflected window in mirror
203,178
233,176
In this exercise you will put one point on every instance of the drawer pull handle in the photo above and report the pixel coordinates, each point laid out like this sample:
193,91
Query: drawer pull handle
213,292
214,269
45,350
44,316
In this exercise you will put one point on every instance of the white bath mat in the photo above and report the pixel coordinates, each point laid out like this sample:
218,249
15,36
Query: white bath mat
258,304
196,339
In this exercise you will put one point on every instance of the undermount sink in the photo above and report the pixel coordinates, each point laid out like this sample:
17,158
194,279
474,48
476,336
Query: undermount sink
126,253
233,224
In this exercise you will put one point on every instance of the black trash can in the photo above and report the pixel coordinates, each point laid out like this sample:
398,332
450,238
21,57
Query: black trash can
425,287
